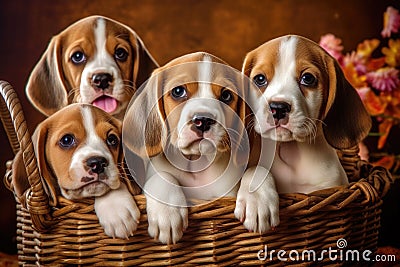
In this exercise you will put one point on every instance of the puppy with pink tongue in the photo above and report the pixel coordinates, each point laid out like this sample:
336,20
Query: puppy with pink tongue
106,103
96,60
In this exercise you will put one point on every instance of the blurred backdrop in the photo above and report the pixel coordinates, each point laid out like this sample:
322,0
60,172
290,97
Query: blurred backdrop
169,28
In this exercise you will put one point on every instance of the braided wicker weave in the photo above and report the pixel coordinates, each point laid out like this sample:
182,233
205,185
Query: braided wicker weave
69,234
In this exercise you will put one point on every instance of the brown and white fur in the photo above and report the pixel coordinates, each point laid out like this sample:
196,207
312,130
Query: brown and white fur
79,155
314,110
187,161
97,61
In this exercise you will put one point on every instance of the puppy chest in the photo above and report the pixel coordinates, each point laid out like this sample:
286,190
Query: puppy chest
299,167
199,178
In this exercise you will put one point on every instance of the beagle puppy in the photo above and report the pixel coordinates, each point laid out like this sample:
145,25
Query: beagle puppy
97,61
79,155
311,110
189,120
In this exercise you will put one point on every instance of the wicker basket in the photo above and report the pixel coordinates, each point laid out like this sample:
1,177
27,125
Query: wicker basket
69,234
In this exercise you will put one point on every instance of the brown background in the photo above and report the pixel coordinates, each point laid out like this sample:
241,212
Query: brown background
170,28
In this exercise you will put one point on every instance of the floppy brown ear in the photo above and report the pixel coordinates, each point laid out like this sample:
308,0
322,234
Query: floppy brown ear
347,122
130,182
46,88
241,148
50,183
248,64
19,176
144,64
144,130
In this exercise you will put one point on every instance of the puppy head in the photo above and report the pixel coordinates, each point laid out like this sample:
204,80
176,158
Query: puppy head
78,150
97,61
193,103
301,89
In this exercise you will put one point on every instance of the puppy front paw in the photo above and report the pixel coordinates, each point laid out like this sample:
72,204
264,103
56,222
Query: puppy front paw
118,213
258,210
166,223
258,214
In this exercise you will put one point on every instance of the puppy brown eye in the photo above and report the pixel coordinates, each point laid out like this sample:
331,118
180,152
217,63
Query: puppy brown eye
67,141
308,79
112,140
121,54
260,80
178,92
78,57
226,96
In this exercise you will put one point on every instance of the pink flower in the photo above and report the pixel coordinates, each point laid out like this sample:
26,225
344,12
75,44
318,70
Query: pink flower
364,153
357,61
391,22
332,45
384,79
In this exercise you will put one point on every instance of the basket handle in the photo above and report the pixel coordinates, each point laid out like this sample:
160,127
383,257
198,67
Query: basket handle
8,97
13,119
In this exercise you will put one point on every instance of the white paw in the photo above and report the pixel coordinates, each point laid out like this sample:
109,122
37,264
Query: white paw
118,213
258,210
166,222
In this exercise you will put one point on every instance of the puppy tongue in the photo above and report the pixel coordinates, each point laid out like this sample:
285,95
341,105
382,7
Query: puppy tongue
106,103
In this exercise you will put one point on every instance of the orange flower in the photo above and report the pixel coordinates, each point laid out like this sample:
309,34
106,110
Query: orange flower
375,63
354,70
395,98
366,48
384,129
374,104
392,53
386,162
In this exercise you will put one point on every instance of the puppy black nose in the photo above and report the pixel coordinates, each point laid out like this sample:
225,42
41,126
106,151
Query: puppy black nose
279,109
203,122
97,164
102,80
